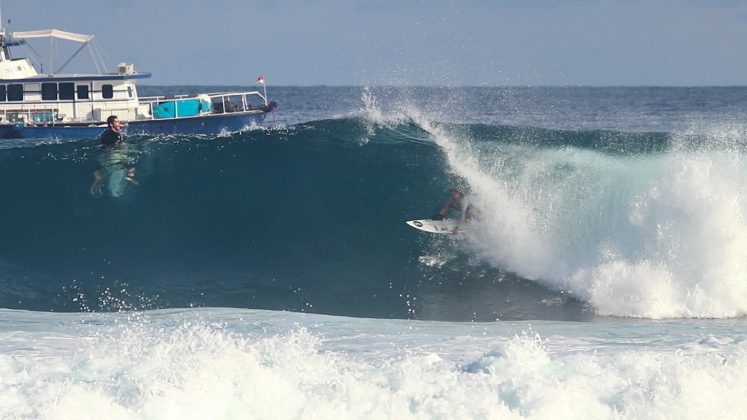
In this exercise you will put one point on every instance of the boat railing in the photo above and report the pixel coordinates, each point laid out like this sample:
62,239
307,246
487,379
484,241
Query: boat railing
35,116
150,107
179,106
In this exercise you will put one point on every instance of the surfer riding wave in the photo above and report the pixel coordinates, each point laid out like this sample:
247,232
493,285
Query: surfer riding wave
457,201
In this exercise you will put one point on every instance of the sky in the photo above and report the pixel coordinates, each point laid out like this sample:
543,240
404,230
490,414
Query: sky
409,42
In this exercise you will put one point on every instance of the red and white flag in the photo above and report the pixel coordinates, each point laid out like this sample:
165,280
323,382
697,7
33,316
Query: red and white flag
261,79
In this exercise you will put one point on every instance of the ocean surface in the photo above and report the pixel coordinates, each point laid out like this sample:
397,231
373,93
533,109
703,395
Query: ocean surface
270,274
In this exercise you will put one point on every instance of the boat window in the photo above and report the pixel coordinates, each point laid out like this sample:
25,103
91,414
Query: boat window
49,91
14,117
82,91
67,91
107,91
3,93
44,117
129,91
253,101
15,92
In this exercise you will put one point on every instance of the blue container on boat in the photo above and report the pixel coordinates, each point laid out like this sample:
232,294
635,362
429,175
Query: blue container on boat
181,108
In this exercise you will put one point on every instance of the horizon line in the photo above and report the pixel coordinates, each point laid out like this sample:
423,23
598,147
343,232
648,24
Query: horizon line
452,86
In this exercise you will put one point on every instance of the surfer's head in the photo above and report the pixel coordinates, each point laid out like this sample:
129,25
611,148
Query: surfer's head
113,122
457,192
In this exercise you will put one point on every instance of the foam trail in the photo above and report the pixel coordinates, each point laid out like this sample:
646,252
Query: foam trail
657,236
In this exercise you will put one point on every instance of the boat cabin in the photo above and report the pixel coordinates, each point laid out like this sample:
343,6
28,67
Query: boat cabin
32,98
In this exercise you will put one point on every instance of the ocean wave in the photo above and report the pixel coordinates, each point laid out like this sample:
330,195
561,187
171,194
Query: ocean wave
309,217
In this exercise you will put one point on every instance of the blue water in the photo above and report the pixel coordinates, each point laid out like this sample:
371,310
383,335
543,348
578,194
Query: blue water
269,273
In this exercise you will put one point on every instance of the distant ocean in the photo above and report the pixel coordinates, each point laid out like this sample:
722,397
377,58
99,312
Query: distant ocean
270,274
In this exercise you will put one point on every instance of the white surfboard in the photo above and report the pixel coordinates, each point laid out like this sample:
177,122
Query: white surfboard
434,226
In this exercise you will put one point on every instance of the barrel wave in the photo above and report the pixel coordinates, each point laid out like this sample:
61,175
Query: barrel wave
310,217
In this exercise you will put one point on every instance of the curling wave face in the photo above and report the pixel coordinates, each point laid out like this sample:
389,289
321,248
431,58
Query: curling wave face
309,217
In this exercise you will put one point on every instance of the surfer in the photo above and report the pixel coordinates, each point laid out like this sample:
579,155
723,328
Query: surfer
113,162
113,134
456,201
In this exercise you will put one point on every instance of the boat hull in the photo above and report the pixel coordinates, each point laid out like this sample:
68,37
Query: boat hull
199,125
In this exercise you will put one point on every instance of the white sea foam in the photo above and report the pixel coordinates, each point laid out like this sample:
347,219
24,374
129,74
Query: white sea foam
223,364
659,235
374,117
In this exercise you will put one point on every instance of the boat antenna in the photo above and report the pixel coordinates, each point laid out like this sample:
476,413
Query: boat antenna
5,36
2,22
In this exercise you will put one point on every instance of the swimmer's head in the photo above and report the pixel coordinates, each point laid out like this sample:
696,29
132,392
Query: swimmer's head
112,120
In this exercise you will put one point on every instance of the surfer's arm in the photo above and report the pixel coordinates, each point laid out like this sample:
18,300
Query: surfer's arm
445,209
440,215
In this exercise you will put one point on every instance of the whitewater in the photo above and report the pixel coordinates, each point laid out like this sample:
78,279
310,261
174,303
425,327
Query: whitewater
229,363
269,273
659,236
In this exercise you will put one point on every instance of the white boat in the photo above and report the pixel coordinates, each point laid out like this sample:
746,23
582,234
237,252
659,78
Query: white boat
37,104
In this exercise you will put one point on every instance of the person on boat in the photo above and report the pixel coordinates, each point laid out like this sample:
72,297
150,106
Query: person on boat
465,210
229,106
114,163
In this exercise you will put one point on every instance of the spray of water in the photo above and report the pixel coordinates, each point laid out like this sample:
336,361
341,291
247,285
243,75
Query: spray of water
649,235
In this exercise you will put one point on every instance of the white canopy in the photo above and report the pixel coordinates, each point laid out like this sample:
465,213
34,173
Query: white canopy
54,33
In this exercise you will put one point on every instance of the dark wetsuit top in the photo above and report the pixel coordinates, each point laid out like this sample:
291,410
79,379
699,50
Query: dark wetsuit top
110,137
111,141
